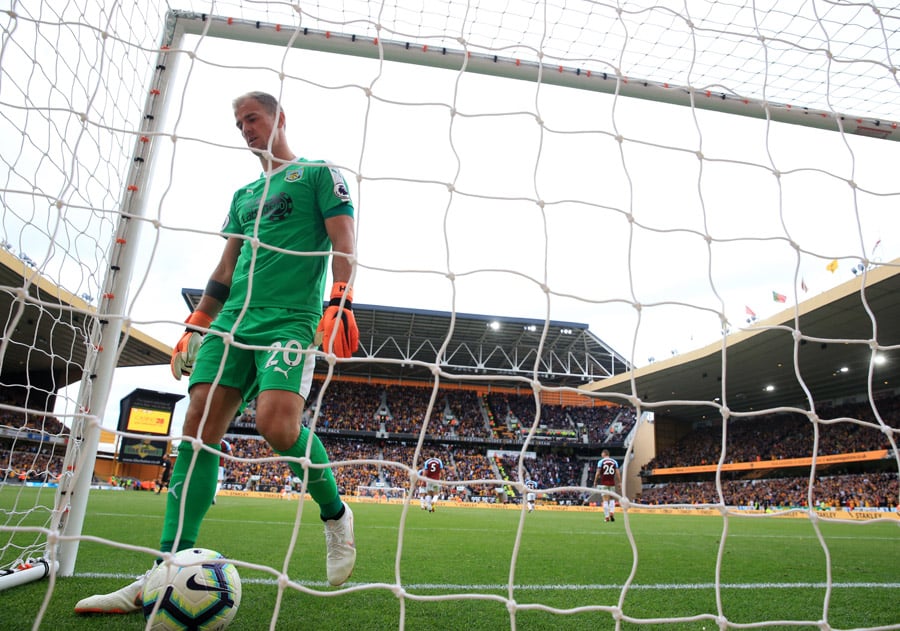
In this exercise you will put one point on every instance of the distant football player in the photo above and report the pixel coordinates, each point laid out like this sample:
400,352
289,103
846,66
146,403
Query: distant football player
166,474
286,486
606,479
225,448
531,494
431,472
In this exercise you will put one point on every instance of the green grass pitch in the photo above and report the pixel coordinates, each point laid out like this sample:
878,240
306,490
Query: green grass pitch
569,570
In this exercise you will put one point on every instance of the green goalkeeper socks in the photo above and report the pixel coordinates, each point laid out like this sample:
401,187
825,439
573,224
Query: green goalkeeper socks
198,492
321,486
200,488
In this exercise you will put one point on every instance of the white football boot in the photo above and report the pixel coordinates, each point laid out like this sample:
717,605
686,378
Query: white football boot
125,600
341,544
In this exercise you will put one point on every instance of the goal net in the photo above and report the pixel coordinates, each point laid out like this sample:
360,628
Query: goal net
671,173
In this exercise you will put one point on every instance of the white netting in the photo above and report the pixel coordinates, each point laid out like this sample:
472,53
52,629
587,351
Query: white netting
73,88
659,225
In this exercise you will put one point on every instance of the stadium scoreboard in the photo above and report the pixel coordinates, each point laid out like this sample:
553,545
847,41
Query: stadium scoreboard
148,413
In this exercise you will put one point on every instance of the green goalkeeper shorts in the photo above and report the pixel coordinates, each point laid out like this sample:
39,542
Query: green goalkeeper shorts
277,361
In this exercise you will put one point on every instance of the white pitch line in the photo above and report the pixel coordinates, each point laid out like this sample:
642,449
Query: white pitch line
554,587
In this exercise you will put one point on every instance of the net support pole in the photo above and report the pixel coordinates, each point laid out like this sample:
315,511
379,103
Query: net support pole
31,571
106,337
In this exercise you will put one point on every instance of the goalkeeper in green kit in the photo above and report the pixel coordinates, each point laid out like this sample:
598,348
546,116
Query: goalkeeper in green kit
297,207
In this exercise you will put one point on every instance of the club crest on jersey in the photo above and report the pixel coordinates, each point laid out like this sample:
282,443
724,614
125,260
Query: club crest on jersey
294,175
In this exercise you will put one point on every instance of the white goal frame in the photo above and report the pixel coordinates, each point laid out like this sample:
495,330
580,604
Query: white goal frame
602,80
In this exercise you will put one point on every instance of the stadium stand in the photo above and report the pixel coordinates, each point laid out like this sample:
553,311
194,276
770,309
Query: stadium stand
375,411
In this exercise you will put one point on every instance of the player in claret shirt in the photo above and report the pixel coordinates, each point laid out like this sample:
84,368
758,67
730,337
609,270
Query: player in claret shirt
606,479
431,472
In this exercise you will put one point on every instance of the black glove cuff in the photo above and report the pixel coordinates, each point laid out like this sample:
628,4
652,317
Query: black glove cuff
334,302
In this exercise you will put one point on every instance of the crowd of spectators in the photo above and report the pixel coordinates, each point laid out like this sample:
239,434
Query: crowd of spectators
561,471
392,463
408,409
463,465
466,414
349,477
845,428
245,471
347,405
458,413
36,459
477,476
855,491
30,463
20,418
548,471
523,410
781,435
600,424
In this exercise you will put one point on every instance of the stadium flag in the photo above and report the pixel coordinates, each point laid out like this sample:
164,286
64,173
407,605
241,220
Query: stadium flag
803,285
749,311
778,297
831,267
875,247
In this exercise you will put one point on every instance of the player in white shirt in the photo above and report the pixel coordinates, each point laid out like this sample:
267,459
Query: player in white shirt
531,495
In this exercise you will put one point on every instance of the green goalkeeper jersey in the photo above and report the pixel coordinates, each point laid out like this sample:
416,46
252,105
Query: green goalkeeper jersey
292,213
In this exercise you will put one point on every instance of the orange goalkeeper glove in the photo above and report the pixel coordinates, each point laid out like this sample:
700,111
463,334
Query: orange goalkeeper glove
185,352
343,330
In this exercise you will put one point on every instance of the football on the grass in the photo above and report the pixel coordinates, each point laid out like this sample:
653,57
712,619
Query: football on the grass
197,590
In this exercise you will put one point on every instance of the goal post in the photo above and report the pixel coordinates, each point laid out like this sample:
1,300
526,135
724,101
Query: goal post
112,310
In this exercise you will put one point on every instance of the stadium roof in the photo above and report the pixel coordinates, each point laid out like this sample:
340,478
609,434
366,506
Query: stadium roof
51,326
833,348
400,343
